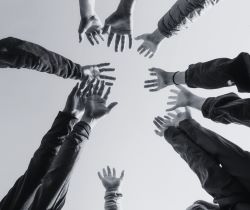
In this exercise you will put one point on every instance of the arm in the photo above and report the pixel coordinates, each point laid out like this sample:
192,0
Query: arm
90,23
120,24
111,184
181,12
16,53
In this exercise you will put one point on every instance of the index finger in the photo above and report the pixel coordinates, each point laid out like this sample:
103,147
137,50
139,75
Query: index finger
102,64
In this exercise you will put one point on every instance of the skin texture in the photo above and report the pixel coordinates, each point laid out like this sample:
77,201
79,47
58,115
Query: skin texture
96,106
163,79
119,25
109,179
150,43
90,22
183,97
97,72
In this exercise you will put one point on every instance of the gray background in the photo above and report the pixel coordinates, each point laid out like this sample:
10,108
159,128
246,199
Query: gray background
156,177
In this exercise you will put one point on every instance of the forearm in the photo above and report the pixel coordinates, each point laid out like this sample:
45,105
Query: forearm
58,176
180,13
87,7
111,200
228,108
126,6
221,72
16,53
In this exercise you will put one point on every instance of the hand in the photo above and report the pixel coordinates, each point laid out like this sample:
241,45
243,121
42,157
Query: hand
184,98
162,125
92,27
109,180
121,25
179,116
150,43
96,103
163,79
95,72
76,101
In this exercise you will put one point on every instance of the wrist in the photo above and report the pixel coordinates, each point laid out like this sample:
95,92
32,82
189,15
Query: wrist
197,102
158,36
180,78
89,120
126,7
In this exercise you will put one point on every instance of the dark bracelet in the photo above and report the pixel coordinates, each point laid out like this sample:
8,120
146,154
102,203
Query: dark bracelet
174,77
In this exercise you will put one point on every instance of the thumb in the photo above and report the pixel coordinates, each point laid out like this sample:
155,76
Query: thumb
143,36
111,106
172,108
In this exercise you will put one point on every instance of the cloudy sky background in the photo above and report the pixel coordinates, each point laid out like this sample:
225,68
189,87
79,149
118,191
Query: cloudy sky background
156,177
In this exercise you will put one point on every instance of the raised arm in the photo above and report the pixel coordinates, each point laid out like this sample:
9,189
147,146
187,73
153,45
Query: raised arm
16,53
90,23
53,189
111,184
213,74
120,24
180,13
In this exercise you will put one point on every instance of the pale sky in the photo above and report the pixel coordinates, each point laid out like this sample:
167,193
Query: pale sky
155,176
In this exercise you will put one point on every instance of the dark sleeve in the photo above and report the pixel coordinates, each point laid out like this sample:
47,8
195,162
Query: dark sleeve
228,108
217,73
214,179
20,194
52,191
180,13
16,53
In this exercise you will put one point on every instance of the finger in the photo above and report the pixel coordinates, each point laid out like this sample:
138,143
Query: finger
74,90
151,81
140,48
174,91
159,133
102,65
89,37
111,35
94,34
109,84
109,171
107,93
112,105
100,175
105,28
101,89
83,84
187,110
100,35
114,172
80,37
86,90
104,172
172,115
180,87
143,36
177,111
151,85
172,97
153,74
171,103
96,87
106,69
90,92
117,41
154,90
107,77
152,55
130,41
147,53
143,50
167,117
122,43
157,125
159,121
122,175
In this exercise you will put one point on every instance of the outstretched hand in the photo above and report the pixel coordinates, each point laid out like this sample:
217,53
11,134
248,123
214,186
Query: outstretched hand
181,98
179,116
76,101
120,24
109,179
96,72
96,102
92,27
162,80
162,124
150,43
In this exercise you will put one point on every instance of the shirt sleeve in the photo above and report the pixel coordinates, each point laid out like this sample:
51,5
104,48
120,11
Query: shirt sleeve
16,53
180,13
